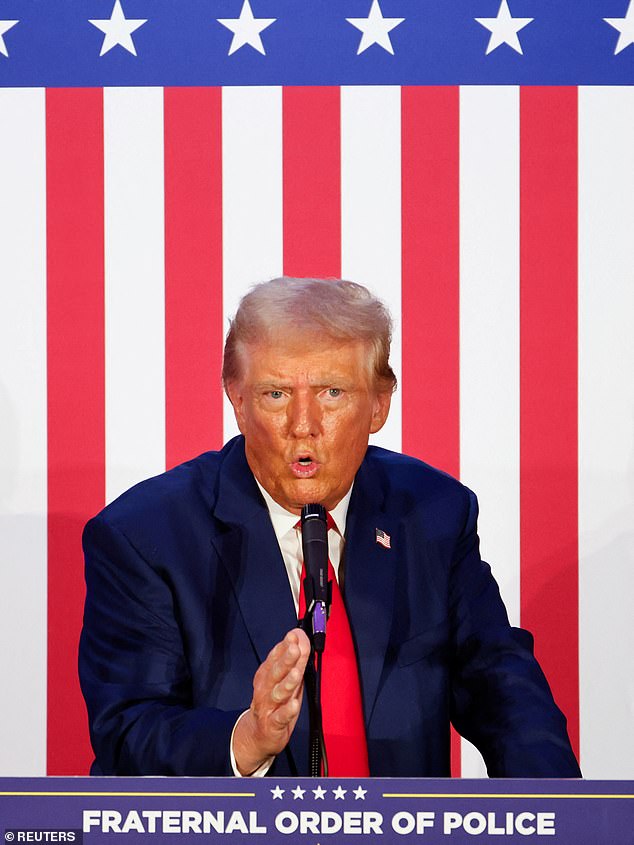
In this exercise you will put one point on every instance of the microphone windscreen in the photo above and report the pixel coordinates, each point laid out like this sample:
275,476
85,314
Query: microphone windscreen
315,547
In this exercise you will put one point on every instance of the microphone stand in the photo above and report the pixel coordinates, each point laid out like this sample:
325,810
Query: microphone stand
318,595
312,685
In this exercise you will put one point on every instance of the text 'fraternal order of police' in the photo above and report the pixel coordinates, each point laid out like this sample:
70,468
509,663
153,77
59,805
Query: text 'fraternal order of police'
321,823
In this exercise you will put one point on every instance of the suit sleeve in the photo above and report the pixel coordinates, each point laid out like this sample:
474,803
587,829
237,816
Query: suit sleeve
501,701
134,672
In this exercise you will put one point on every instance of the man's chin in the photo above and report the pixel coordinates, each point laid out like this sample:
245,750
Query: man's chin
309,491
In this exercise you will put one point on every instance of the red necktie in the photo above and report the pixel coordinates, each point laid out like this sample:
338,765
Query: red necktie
342,711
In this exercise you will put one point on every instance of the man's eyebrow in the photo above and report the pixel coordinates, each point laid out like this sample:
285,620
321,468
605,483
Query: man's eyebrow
333,382
272,384
319,383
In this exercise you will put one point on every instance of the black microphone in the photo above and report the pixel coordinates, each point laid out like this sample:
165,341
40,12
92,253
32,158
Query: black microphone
315,548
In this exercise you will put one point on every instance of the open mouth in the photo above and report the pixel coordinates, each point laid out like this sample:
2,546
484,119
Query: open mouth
304,466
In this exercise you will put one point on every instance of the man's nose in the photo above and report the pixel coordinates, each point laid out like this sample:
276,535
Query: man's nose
304,415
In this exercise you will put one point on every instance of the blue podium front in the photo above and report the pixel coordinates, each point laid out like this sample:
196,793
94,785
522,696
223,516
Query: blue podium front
230,810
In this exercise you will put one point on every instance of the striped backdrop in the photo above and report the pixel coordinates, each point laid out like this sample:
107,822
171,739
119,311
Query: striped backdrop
498,225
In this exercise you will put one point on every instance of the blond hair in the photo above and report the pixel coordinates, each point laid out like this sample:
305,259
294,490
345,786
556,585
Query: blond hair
338,309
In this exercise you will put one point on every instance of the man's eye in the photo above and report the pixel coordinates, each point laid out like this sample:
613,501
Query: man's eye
334,392
275,394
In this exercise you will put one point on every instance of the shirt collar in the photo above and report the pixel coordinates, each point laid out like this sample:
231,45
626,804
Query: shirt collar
283,520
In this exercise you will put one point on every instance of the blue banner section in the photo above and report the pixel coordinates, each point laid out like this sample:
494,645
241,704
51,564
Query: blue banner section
316,42
454,812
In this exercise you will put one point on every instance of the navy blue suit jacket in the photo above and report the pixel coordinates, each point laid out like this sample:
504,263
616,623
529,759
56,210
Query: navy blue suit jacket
187,593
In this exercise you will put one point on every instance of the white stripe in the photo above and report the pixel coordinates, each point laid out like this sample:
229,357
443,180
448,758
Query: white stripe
489,323
252,197
489,333
606,417
23,432
134,286
371,211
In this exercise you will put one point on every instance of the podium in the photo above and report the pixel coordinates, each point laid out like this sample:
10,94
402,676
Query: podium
309,811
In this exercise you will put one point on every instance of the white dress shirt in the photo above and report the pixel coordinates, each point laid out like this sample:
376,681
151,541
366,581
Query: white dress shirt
289,539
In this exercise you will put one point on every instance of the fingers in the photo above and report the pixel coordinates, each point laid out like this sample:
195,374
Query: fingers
295,646
286,714
303,643
277,697
278,683
283,670
286,686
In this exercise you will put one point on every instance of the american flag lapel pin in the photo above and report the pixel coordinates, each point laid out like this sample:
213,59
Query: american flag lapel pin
382,538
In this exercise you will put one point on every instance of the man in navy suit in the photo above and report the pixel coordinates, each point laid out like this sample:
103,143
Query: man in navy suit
191,661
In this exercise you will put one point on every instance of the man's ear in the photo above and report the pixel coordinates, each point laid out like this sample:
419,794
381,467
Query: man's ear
236,398
381,409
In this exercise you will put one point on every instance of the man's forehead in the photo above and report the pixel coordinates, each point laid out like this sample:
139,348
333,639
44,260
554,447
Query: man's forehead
309,355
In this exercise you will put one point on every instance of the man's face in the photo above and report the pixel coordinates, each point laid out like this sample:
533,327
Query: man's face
306,407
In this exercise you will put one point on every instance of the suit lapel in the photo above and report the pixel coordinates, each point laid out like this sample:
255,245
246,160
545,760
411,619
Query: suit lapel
247,546
369,581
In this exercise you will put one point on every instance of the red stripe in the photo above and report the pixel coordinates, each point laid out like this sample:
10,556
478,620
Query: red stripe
76,421
193,272
548,387
430,294
312,182
430,166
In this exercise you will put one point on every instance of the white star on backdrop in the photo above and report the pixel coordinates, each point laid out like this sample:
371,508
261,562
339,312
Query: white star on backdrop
5,26
375,29
246,29
277,793
504,28
117,30
339,793
319,792
298,792
625,27
359,793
